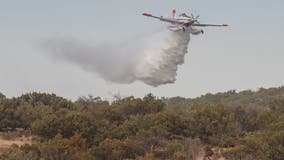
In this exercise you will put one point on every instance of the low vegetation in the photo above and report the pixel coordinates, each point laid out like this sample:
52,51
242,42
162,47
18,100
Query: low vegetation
246,125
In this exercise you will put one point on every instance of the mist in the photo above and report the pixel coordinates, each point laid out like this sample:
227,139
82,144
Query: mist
153,60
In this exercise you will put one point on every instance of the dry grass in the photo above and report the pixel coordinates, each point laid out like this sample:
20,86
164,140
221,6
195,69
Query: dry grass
19,141
218,154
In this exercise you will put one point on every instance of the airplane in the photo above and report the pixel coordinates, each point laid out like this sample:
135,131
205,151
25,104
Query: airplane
184,22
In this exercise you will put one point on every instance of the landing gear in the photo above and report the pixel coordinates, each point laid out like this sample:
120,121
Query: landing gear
202,31
183,28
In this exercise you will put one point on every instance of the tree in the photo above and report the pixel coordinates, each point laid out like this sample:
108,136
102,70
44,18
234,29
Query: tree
213,124
65,123
2,96
268,145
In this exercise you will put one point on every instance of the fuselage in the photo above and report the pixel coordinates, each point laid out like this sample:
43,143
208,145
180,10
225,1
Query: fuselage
187,25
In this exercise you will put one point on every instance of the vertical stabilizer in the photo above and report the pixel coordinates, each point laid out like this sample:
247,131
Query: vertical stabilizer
174,13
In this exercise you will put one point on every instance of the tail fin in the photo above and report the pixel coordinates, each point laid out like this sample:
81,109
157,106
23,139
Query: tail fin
174,13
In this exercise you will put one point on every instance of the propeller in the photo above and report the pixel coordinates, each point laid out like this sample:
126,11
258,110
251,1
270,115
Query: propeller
191,17
195,18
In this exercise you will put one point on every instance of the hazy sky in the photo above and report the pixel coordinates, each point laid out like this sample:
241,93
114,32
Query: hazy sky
247,55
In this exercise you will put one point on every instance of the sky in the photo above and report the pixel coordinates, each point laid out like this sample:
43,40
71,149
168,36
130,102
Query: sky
247,55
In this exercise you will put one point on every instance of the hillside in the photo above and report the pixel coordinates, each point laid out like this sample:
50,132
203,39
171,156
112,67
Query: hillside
245,125
261,98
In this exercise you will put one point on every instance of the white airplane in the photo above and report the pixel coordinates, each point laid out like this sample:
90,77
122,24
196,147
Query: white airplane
184,22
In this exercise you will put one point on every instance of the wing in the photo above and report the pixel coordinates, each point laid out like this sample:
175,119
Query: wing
169,20
210,25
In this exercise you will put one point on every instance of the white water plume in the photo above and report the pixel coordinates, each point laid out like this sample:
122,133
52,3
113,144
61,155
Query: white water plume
153,60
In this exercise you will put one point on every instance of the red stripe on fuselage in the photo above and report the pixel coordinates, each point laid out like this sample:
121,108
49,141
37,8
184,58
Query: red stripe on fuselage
188,22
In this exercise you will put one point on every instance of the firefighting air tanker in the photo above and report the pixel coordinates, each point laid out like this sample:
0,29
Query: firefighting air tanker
184,22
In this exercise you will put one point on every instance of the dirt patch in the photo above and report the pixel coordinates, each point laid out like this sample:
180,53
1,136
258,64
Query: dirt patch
19,141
